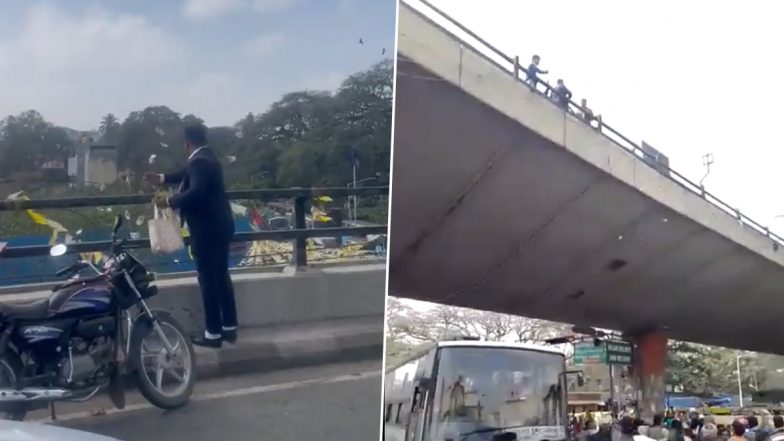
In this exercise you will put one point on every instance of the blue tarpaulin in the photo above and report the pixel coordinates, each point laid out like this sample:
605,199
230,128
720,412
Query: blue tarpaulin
24,270
689,401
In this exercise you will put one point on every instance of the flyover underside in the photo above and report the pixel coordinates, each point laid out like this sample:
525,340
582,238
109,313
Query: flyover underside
487,214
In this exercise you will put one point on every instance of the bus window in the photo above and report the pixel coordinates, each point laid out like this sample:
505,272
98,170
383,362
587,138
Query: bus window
486,391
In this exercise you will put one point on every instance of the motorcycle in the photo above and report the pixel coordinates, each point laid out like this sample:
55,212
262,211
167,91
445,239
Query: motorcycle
91,333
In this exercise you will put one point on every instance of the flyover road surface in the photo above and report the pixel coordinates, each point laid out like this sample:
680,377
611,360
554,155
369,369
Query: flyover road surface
339,402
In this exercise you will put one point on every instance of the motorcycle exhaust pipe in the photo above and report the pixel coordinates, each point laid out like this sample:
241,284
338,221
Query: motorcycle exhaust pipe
33,394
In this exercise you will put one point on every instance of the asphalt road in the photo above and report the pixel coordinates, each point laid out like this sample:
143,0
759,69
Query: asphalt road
335,402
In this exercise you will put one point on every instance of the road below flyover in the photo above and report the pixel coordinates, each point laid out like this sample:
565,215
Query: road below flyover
337,402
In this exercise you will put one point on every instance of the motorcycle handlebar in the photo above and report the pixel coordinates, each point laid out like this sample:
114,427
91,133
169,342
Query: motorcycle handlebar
73,268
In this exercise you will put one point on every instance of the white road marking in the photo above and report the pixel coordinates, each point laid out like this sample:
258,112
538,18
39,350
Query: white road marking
222,394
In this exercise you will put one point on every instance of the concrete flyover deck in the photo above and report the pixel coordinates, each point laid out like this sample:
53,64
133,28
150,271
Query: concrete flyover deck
501,201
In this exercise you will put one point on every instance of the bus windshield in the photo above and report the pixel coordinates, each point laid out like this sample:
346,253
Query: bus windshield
482,392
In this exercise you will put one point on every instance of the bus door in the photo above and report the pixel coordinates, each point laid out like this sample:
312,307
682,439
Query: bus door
421,403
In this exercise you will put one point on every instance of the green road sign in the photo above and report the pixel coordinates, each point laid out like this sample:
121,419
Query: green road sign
587,353
610,352
620,352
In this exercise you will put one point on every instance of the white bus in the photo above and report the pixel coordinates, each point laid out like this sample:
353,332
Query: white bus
477,391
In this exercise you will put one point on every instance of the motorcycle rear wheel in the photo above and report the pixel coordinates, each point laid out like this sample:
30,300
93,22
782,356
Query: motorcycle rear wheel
152,363
10,369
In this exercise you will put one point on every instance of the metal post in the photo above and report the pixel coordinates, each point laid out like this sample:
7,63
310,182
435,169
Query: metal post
354,168
612,394
517,67
740,384
300,245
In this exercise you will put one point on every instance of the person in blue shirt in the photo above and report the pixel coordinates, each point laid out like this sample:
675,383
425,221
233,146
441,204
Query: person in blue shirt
532,77
561,95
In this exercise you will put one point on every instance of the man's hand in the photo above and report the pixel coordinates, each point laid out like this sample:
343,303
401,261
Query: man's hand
161,201
153,178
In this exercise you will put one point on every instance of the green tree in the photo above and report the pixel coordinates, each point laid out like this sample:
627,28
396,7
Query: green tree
27,141
110,129
708,370
153,131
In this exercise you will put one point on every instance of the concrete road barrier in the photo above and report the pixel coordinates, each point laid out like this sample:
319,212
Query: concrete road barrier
287,318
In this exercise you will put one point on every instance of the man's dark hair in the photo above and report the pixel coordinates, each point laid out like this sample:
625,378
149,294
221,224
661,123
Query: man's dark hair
738,428
778,421
657,419
196,134
753,422
628,426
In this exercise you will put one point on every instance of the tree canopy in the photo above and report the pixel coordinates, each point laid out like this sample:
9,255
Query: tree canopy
710,370
305,139
408,327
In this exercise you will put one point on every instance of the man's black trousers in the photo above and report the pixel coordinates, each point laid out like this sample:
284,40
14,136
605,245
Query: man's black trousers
217,292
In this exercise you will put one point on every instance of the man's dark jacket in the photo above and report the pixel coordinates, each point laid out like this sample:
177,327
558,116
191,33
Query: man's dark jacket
202,200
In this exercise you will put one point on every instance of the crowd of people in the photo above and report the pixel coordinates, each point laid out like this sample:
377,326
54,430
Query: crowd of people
560,94
680,427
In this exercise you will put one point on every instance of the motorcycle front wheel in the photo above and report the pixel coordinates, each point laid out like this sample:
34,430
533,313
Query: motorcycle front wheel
165,379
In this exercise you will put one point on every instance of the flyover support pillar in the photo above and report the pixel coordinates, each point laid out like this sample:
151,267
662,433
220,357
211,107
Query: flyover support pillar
649,363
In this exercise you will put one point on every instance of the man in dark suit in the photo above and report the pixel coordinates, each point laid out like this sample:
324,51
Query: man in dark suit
204,208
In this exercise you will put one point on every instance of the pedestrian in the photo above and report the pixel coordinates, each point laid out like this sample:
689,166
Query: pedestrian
676,431
657,430
778,429
709,432
753,427
604,433
724,433
738,430
205,210
532,75
561,95
590,427
763,429
695,426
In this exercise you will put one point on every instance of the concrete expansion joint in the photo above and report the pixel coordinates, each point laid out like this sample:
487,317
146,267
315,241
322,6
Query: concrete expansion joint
456,203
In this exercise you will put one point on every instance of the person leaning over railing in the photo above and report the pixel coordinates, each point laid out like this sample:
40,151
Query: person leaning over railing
586,114
561,95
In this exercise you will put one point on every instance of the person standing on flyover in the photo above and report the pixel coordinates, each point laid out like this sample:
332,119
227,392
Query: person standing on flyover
532,77
204,208
561,95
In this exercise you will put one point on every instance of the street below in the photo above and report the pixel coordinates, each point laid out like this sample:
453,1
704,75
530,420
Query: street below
338,402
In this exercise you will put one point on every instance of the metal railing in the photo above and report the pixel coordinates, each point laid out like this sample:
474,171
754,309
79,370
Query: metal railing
299,234
515,69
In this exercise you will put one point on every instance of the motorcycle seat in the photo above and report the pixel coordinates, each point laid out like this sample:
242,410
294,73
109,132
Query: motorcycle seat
37,309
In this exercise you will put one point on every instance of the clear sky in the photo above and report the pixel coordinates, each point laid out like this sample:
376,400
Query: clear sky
689,78
76,60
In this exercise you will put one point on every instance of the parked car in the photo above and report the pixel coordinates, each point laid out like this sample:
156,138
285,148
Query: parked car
20,431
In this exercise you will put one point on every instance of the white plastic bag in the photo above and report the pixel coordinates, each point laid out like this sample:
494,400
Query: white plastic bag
164,231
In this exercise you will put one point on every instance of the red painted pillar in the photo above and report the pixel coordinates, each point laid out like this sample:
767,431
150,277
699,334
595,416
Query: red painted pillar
649,364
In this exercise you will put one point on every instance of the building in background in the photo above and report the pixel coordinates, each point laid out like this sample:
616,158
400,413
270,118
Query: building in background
100,165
